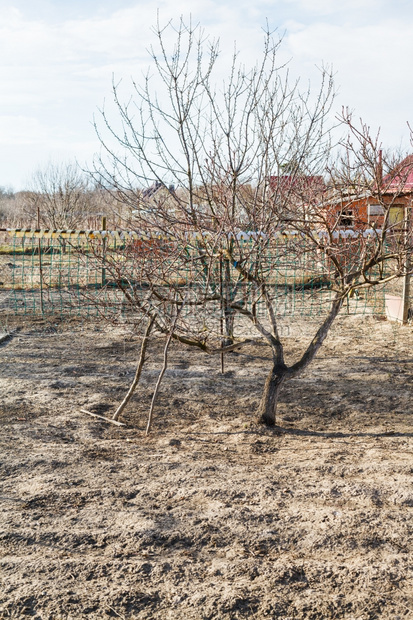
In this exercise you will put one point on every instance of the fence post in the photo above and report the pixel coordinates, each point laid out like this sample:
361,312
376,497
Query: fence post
39,249
407,266
103,252
221,314
406,295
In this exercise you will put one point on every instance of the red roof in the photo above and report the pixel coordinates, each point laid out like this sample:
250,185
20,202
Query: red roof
400,179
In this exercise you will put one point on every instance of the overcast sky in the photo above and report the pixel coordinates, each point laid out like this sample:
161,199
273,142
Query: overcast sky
58,58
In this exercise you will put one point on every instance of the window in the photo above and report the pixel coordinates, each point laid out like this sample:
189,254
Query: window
346,218
396,215
375,214
374,210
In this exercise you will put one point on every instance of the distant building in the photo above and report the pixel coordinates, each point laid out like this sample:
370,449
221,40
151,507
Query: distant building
368,209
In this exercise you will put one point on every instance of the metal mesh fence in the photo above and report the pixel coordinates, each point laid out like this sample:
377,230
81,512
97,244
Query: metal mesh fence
60,273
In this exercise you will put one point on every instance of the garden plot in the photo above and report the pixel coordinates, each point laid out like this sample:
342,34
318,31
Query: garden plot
211,516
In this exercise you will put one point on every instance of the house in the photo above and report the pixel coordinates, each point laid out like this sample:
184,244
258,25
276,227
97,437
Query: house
387,205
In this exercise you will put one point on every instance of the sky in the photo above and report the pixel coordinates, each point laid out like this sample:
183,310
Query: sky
58,58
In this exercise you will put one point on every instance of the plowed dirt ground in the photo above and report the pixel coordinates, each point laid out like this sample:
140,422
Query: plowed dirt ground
211,516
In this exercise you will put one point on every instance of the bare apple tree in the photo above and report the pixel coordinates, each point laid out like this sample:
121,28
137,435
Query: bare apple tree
222,178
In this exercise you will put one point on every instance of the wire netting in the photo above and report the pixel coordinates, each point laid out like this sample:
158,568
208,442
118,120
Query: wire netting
63,274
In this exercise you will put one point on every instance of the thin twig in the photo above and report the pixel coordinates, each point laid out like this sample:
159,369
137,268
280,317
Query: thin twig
101,417
115,612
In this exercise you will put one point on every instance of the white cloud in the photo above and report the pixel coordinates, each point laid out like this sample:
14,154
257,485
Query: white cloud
371,64
20,130
30,131
55,73
331,7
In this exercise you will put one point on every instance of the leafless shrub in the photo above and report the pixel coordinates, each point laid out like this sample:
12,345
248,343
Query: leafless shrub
61,197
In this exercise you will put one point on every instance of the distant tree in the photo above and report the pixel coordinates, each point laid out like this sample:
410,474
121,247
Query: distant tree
6,192
6,204
61,194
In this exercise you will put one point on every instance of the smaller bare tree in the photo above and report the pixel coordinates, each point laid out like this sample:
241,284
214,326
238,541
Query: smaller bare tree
7,203
61,196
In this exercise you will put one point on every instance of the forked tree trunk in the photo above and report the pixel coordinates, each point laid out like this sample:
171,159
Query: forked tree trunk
268,405
280,373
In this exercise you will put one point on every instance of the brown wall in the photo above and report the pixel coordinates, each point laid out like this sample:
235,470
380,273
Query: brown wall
355,214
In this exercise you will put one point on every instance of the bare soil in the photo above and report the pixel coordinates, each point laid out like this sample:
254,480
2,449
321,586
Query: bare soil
211,516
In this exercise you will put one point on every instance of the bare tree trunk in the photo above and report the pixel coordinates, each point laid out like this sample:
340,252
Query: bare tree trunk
229,327
268,405
280,373
158,383
138,372
164,367
229,313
